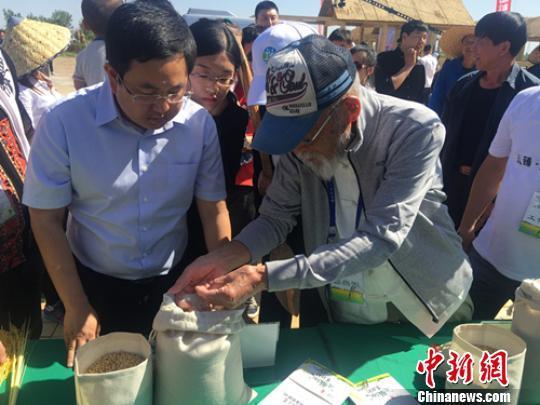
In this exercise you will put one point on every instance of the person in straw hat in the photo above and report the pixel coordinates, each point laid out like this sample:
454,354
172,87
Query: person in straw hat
32,45
20,263
458,45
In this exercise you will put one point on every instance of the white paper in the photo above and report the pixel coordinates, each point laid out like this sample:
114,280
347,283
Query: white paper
382,390
259,344
311,384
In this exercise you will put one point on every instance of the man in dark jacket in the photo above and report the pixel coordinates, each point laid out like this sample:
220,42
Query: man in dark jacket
398,72
478,101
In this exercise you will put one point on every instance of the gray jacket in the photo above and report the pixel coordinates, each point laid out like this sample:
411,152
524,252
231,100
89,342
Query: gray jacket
396,160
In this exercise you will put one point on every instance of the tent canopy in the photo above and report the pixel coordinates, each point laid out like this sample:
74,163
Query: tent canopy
533,28
439,13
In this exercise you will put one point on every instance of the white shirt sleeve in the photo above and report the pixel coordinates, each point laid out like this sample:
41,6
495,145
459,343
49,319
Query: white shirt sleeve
26,99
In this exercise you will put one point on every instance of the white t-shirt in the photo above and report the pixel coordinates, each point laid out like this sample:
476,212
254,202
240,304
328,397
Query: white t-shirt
90,62
37,100
430,66
513,253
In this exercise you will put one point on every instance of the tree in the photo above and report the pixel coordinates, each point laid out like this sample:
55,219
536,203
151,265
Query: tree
9,13
62,18
58,17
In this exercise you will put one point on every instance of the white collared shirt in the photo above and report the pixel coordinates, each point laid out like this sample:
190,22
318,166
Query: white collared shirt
38,99
127,192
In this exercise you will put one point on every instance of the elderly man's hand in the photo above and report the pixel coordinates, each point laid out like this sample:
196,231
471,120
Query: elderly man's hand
234,288
3,354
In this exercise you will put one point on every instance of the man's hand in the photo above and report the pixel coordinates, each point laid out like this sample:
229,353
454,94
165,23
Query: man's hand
411,56
207,268
233,289
3,354
80,326
201,271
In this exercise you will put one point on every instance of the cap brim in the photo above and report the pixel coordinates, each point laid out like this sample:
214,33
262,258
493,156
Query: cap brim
278,135
257,91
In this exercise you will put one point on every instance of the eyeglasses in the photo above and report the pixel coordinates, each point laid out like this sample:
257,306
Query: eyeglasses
323,125
221,81
148,99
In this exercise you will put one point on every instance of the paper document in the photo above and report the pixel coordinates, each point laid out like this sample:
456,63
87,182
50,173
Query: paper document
381,390
311,384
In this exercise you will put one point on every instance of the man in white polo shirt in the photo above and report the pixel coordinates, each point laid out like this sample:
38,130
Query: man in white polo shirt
507,249
126,159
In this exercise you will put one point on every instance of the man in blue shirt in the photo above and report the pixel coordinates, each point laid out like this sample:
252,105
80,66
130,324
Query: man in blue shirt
126,159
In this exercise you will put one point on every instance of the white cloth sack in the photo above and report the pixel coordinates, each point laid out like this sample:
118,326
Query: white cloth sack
474,338
526,324
198,357
131,386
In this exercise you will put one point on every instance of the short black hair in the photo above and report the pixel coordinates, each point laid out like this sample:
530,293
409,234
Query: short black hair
371,57
265,5
96,13
213,37
411,26
341,34
427,48
142,31
503,26
249,34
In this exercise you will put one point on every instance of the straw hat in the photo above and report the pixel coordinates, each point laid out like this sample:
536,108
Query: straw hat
31,44
451,40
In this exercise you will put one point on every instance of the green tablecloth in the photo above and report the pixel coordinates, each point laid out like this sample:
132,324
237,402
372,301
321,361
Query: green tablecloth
357,352
360,352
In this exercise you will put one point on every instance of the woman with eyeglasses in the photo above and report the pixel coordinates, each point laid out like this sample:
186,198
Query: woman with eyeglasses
211,81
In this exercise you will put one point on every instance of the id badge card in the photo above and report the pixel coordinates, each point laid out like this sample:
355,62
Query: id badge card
6,210
530,224
348,289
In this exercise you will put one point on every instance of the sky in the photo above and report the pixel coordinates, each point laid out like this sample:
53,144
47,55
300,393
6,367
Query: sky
245,8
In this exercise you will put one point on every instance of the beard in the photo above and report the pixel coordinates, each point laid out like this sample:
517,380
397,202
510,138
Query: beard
322,166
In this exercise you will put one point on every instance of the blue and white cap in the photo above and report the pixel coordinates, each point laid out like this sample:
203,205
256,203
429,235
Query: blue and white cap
302,80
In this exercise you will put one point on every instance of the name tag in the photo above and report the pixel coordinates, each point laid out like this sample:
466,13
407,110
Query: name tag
530,224
349,289
6,210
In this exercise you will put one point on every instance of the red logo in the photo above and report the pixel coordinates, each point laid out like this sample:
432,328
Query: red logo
491,367
428,366
494,367
461,368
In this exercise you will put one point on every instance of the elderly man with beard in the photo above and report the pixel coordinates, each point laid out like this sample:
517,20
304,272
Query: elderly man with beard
363,171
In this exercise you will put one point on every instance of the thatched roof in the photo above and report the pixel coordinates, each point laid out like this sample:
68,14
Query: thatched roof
533,28
439,13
